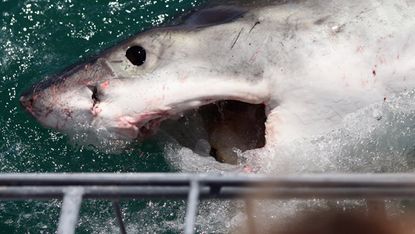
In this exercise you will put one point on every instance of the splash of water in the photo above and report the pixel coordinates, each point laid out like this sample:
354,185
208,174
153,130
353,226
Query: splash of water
376,139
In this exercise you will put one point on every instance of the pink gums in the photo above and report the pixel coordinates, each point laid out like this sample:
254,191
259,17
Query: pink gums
143,125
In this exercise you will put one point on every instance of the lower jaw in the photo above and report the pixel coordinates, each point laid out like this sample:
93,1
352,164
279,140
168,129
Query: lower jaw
221,129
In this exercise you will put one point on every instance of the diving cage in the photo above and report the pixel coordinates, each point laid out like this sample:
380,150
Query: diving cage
73,188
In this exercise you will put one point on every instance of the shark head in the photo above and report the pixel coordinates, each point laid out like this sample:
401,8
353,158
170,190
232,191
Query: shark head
128,90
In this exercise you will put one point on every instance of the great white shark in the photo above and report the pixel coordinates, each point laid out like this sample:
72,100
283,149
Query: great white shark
307,63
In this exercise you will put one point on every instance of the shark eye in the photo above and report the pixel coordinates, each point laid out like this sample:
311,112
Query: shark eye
136,55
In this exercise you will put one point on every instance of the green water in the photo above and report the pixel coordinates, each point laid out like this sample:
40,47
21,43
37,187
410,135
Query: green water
40,37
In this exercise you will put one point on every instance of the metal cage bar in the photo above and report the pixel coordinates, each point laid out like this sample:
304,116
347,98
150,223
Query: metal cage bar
192,202
70,210
73,188
118,213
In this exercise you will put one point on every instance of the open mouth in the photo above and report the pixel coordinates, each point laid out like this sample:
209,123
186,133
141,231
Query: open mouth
220,130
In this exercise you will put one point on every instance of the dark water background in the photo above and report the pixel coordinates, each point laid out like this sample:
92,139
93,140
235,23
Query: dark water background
41,37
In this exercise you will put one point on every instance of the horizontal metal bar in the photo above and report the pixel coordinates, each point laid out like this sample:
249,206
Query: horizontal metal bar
311,180
95,192
136,192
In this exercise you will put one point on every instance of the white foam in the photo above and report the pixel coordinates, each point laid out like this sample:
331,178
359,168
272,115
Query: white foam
375,139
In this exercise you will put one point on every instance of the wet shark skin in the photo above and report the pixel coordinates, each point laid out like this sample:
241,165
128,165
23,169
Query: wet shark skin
310,62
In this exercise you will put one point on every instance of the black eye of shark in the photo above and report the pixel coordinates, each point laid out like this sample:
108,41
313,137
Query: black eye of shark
136,55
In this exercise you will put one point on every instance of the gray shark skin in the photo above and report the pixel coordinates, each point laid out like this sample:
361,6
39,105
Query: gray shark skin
310,62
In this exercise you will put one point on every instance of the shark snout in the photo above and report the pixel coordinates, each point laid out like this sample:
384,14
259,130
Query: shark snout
34,103
27,100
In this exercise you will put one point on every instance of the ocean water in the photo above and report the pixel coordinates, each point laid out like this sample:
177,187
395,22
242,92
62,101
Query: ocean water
39,38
